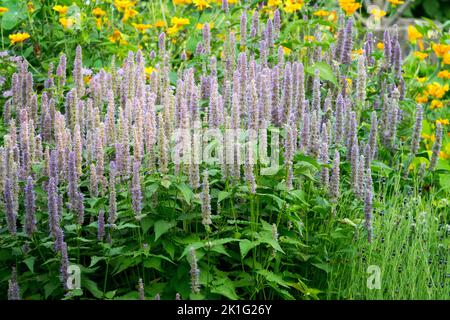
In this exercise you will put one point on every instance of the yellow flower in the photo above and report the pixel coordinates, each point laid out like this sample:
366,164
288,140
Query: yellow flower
286,50
122,5
117,37
291,6
160,24
129,13
444,155
358,52
440,49
172,30
414,34
444,74
421,79
349,6
62,10
179,22
199,26
380,45
98,12
422,98
309,38
420,55
396,2
430,137
444,122
377,13
446,58
3,10
66,22
149,70
141,26
436,104
30,7
99,22
321,13
201,4
18,37
274,3
436,90
177,2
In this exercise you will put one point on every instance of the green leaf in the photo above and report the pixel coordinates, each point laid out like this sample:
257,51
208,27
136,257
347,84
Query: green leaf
50,287
94,260
246,245
186,191
30,263
92,287
227,290
223,195
110,294
325,72
162,227
272,277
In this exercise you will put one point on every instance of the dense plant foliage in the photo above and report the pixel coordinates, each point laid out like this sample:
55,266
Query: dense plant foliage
222,149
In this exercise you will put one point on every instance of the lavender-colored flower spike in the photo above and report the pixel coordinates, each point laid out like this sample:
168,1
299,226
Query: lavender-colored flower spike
30,208
225,5
387,47
335,177
368,205
11,215
339,126
254,27
361,82
368,49
64,265
78,72
177,296
73,182
346,56
207,38
13,286
277,22
136,190
417,130
206,201
61,71
162,44
244,29
112,211
194,272
101,225
373,134
436,147
141,290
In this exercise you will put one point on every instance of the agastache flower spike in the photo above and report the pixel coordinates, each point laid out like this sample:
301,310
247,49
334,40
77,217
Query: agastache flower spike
136,190
373,135
368,205
361,82
141,289
11,214
436,147
194,272
254,24
348,43
207,38
244,29
276,22
13,286
335,177
30,208
112,208
417,130
206,201
101,225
